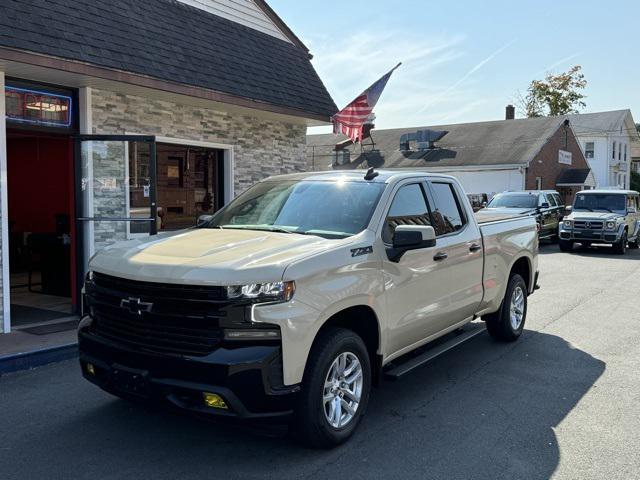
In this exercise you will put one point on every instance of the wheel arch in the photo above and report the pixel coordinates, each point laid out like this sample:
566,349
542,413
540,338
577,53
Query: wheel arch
523,266
362,320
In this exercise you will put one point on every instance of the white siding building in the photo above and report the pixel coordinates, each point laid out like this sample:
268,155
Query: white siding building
606,139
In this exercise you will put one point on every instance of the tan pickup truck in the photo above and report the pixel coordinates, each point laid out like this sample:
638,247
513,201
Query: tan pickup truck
298,296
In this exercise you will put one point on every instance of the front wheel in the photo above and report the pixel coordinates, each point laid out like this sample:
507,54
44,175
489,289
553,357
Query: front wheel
335,389
620,247
506,324
634,245
565,245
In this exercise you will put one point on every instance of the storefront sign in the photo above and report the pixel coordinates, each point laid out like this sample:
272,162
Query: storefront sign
564,157
38,107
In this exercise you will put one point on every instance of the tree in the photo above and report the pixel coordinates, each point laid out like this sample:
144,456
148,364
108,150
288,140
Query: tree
555,95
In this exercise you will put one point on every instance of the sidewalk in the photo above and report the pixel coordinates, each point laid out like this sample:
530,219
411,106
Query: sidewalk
20,350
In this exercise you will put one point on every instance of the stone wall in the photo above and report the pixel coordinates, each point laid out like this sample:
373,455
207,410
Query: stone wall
261,146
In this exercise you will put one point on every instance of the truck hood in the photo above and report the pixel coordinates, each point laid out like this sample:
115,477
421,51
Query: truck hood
209,256
587,215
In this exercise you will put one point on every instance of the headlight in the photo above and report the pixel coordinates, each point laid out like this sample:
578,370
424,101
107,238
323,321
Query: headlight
611,225
263,292
567,223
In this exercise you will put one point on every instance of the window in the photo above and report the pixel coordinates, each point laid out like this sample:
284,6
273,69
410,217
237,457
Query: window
589,149
447,214
558,200
614,151
538,183
625,152
551,200
620,152
409,207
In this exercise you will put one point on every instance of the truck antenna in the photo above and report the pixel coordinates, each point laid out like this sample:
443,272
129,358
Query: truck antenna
370,175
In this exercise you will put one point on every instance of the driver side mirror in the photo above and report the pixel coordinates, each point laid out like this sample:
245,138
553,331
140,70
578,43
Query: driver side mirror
410,237
632,210
544,205
203,220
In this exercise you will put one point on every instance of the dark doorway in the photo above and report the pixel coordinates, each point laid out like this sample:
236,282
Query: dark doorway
41,226
189,184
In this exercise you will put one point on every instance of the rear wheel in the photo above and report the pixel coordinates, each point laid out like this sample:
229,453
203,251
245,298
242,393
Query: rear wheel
565,245
634,245
506,324
335,389
620,247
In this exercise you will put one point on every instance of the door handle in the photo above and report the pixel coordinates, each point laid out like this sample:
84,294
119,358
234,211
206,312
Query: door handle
440,256
474,247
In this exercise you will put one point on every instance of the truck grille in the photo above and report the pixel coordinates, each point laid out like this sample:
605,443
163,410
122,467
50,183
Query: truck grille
588,224
176,319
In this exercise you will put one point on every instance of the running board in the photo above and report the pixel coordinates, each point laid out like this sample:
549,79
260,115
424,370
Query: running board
440,346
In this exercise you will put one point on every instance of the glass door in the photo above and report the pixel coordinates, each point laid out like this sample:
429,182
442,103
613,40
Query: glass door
115,191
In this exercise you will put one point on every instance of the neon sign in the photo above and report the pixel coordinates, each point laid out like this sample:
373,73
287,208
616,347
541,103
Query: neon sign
38,107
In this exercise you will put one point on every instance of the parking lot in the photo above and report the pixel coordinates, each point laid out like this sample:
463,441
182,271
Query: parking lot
563,402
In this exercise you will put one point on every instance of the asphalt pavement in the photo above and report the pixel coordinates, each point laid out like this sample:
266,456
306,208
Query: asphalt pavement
563,402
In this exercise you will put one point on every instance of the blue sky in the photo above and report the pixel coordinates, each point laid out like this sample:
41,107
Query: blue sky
466,60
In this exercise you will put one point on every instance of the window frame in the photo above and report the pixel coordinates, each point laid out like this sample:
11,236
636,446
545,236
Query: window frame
588,150
414,181
456,196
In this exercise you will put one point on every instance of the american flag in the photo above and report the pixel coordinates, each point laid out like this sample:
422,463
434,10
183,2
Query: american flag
352,118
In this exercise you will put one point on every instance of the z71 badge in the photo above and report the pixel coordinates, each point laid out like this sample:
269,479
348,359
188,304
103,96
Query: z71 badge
356,252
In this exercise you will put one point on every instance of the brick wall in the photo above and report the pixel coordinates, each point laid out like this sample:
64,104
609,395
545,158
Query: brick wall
546,165
262,147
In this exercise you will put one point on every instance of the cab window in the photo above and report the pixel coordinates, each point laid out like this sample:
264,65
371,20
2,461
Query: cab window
552,200
447,213
409,207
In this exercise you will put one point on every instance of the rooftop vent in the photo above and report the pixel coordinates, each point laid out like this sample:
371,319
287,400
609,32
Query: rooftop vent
424,139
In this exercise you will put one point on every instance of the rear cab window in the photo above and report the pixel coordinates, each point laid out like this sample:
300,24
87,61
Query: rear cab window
447,213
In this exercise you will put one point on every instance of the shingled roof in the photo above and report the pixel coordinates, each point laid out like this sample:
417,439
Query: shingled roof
510,142
170,41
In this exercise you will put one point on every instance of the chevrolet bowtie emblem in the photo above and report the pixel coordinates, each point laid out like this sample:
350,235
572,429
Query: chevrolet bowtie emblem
135,306
588,224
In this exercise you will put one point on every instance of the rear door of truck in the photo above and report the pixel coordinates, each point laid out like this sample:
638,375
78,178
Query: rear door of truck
458,245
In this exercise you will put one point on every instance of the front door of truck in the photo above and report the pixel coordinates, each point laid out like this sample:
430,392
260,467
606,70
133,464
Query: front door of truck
417,286
115,191
458,238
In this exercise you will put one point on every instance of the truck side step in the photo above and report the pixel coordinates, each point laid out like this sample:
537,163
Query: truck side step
410,361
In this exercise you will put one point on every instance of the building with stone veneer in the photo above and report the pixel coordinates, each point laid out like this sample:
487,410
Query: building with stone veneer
120,119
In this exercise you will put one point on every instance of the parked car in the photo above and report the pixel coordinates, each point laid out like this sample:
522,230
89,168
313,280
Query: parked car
295,297
602,216
545,205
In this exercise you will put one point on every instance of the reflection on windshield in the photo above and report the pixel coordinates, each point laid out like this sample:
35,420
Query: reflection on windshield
507,200
331,209
600,201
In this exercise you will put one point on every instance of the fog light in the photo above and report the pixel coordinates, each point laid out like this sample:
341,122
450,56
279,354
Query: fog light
214,401
91,370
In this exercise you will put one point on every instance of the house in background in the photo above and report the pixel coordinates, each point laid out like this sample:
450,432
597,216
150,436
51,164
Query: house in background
487,157
635,157
607,139
179,104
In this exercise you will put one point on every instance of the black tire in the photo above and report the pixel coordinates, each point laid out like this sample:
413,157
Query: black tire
310,424
499,324
620,247
634,245
565,245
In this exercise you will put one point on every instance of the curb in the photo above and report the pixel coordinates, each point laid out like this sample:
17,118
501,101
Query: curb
37,358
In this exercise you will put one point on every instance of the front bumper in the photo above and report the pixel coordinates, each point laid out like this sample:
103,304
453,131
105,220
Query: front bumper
247,377
595,236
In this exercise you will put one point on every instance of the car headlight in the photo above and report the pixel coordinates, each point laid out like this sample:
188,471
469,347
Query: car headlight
611,225
263,292
567,223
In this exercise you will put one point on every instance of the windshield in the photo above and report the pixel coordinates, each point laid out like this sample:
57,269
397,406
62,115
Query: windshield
610,202
514,200
334,209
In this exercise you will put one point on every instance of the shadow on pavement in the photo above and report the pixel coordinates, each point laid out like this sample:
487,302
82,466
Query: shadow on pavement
594,251
485,410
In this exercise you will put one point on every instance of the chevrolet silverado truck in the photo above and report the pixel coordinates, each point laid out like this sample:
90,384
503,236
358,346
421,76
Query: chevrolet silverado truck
301,293
604,217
